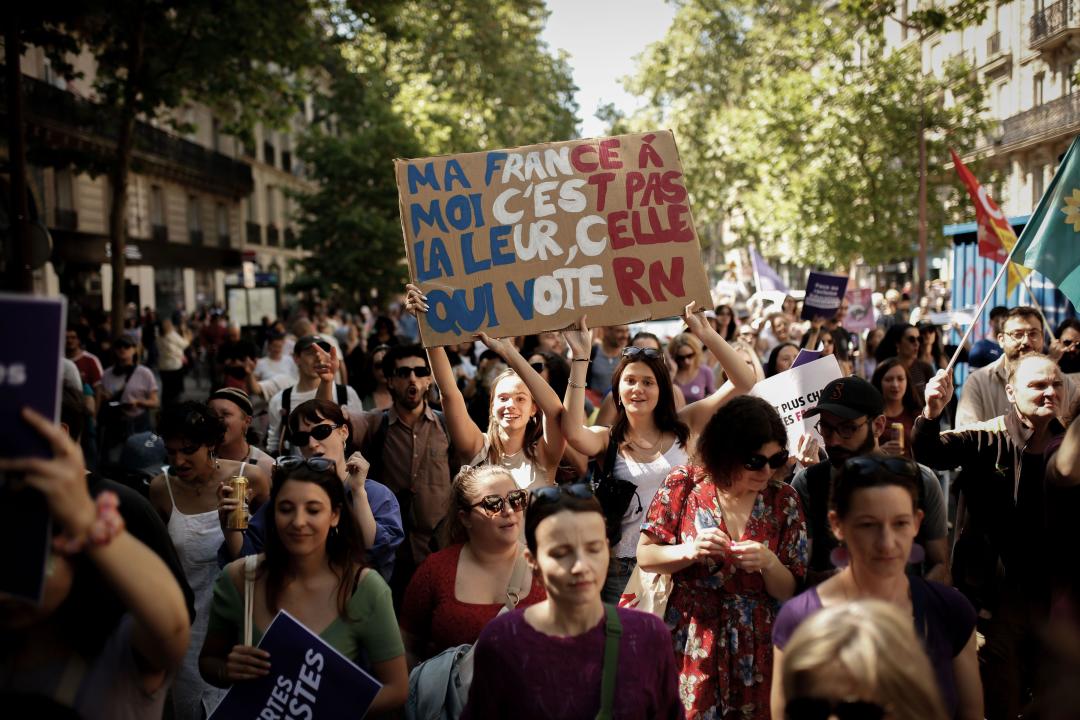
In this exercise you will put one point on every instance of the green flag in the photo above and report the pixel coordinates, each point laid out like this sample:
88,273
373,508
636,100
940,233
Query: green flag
1050,242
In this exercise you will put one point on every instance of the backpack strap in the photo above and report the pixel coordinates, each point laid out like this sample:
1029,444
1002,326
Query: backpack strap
376,446
342,394
450,454
613,631
286,402
607,470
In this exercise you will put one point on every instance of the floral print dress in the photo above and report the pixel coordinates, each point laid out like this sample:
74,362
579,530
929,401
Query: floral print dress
721,617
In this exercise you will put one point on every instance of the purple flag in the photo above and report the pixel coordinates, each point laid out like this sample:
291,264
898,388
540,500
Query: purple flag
765,277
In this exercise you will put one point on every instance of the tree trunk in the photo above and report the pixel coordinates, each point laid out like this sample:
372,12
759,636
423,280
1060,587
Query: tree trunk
125,143
19,274
923,280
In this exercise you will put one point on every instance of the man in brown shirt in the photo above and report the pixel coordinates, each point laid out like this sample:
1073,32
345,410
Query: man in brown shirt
409,450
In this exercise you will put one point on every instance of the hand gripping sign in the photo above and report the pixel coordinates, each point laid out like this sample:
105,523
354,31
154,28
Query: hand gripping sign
515,242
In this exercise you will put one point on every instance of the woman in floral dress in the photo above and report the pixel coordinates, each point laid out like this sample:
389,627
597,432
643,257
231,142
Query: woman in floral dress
734,540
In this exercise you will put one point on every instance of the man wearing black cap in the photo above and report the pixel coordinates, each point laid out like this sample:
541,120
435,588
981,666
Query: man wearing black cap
129,391
307,365
851,419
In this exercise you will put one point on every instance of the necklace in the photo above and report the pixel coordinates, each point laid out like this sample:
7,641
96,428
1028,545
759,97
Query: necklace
507,459
637,444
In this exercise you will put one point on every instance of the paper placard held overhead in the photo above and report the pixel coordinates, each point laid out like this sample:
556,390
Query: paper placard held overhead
795,391
519,241
824,291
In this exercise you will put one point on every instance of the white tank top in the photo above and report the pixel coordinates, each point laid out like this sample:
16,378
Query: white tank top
648,477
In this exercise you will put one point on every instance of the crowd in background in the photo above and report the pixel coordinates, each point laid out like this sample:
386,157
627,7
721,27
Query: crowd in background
489,503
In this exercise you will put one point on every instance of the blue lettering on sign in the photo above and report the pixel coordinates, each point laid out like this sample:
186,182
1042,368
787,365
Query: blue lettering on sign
454,172
438,261
431,216
472,265
499,237
494,164
422,177
464,211
452,314
522,301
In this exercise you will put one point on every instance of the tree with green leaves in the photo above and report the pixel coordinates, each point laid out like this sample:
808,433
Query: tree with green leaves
242,58
415,79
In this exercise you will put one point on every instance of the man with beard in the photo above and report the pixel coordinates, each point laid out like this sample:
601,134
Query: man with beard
410,453
1067,344
982,396
852,418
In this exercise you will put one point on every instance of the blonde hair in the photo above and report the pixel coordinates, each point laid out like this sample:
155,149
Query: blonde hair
534,428
875,644
690,341
462,495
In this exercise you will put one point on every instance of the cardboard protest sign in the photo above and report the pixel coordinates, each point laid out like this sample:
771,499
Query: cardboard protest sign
30,376
308,679
795,391
823,294
519,241
860,314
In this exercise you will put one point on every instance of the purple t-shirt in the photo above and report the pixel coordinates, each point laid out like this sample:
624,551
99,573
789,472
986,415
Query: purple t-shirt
944,621
522,673
700,386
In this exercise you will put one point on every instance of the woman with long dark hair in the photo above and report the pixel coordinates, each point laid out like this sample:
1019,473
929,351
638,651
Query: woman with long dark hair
312,567
902,404
649,436
902,341
733,538
931,351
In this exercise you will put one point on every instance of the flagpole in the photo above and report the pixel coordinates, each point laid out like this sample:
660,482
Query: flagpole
1031,296
754,269
982,307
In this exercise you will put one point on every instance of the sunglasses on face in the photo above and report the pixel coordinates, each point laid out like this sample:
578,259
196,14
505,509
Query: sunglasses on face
1069,343
493,505
756,462
537,366
300,438
318,464
403,373
844,432
634,352
582,491
684,358
822,709
911,338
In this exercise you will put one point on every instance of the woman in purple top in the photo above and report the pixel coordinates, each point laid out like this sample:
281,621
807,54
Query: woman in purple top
693,376
546,661
875,515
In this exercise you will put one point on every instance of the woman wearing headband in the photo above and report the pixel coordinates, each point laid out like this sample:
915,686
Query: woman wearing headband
649,437
233,407
523,434
457,591
733,539
874,513
312,567
551,660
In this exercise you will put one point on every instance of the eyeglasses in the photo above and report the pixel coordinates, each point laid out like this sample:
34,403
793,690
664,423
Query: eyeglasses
845,431
318,464
810,708
869,464
537,366
403,373
633,351
1069,343
756,462
551,493
911,338
493,505
1018,335
300,438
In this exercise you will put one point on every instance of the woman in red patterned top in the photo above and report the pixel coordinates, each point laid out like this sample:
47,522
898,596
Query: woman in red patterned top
457,591
734,541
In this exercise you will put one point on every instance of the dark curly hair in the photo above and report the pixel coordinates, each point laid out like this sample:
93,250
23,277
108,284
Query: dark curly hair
735,432
192,421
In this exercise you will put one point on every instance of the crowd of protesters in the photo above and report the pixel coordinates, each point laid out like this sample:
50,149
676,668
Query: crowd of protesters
462,521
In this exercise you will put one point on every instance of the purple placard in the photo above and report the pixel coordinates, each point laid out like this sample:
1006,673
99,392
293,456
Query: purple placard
824,291
308,678
806,356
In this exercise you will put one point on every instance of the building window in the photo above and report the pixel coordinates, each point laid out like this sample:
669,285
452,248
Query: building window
194,220
1036,185
1037,90
158,226
271,206
222,221
268,152
249,204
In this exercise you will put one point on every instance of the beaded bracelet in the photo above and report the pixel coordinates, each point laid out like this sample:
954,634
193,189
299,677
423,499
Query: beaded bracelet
108,524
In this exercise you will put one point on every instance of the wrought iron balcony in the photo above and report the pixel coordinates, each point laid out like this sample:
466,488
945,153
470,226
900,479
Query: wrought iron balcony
1057,117
1054,24
253,232
59,123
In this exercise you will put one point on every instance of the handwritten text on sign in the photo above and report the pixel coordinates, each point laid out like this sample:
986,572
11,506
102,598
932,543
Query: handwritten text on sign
520,241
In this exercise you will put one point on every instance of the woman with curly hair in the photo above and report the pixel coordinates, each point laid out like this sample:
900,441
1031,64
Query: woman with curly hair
734,541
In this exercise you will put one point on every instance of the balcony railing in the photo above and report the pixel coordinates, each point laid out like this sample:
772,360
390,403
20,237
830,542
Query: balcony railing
159,233
993,45
1061,115
67,219
272,236
59,122
196,237
253,232
1052,22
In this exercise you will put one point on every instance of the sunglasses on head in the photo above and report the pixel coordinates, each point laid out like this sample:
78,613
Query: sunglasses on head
494,504
756,462
403,373
633,351
318,464
551,493
300,438
869,464
806,708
